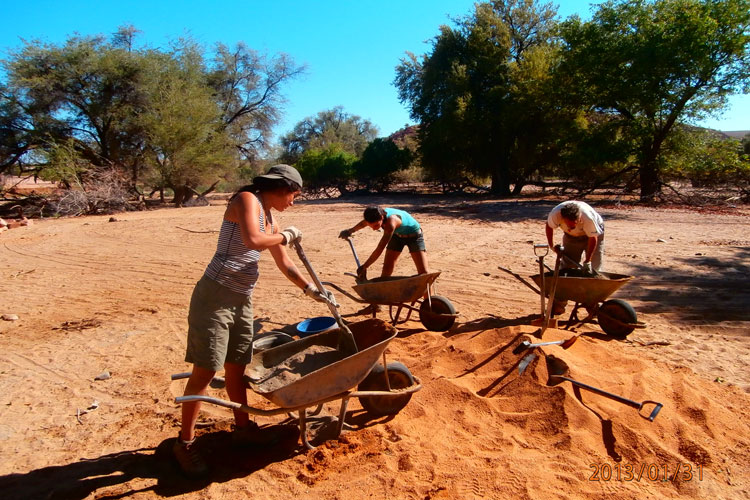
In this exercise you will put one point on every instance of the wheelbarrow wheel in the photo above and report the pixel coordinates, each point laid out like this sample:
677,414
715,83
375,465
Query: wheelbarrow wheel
437,318
400,378
615,317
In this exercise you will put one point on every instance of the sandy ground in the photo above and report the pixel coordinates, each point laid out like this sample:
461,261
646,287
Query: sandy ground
95,296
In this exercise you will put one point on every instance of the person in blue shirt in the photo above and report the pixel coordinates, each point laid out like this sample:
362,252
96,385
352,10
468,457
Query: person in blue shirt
399,230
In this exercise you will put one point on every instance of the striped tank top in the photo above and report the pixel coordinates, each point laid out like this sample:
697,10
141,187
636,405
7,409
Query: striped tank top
234,265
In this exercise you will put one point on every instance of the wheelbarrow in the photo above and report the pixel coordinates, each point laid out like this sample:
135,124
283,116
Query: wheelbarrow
404,293
615,316
309,372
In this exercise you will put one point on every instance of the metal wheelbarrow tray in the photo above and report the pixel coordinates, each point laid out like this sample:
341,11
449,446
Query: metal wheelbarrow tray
343,373
387,391
616,317
406,292
584,290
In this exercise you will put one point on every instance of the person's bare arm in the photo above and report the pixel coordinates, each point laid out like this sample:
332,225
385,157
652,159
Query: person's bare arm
286,266
360,225
245,211
591,247
389,226
550,232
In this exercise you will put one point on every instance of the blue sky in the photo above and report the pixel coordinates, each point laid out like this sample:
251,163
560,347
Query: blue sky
350,47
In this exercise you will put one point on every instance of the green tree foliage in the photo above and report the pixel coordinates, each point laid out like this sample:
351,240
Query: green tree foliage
482,96
248,89
653,64
84,91
328,128
15,131
175,119
326,168
379,162
186,147
706,159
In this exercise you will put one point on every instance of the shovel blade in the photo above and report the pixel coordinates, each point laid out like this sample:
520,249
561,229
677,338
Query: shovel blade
525,362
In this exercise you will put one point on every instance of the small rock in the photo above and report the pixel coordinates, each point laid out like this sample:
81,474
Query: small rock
103,375
699,253
113,219
486,274
10,317
661,240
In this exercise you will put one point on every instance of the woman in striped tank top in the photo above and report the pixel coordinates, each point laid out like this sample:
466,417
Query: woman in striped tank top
220,321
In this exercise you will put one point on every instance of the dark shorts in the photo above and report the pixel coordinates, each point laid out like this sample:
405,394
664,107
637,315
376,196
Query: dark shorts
415,242
220,326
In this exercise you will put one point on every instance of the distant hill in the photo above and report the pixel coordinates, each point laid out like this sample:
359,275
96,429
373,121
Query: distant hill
736,134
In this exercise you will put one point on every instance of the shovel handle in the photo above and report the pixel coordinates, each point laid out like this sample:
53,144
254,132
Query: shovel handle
354,252
321,289
629,402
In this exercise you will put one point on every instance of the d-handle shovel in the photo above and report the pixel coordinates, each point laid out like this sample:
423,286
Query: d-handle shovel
551,298
356,259
346,341
557,368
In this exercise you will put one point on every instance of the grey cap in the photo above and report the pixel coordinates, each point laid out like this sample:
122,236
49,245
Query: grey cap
282,171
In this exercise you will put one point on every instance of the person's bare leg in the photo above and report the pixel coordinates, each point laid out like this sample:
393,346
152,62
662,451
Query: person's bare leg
420,260
236,390
389,262
196,385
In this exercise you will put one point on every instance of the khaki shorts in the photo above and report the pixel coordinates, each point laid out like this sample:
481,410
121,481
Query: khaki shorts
220,326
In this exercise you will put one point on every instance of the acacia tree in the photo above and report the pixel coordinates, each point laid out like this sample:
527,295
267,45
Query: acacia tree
652,64
481,95
185,143
90,104
331,127
86,92
248,89
380,160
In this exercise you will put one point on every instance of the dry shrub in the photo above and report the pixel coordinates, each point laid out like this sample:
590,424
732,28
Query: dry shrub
101,192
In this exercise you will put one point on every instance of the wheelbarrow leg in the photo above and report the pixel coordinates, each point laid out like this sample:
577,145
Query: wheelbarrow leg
303,429
342,415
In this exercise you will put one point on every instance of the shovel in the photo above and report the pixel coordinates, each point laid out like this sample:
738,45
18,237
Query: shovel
525,345
346,341
551,299
558,370
356,259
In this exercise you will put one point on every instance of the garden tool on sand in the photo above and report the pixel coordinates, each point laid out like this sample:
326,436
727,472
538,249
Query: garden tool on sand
558,371
346,339
551,299
525,345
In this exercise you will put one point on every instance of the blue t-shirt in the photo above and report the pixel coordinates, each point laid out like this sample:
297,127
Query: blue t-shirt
409,224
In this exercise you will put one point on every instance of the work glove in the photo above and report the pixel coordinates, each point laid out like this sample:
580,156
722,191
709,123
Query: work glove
291,234
588,270
315,294
345,234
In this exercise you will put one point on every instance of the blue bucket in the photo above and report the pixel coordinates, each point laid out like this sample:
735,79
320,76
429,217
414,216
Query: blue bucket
315,325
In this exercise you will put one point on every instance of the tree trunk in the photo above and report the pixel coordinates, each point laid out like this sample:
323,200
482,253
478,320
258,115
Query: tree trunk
181,195
500,183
